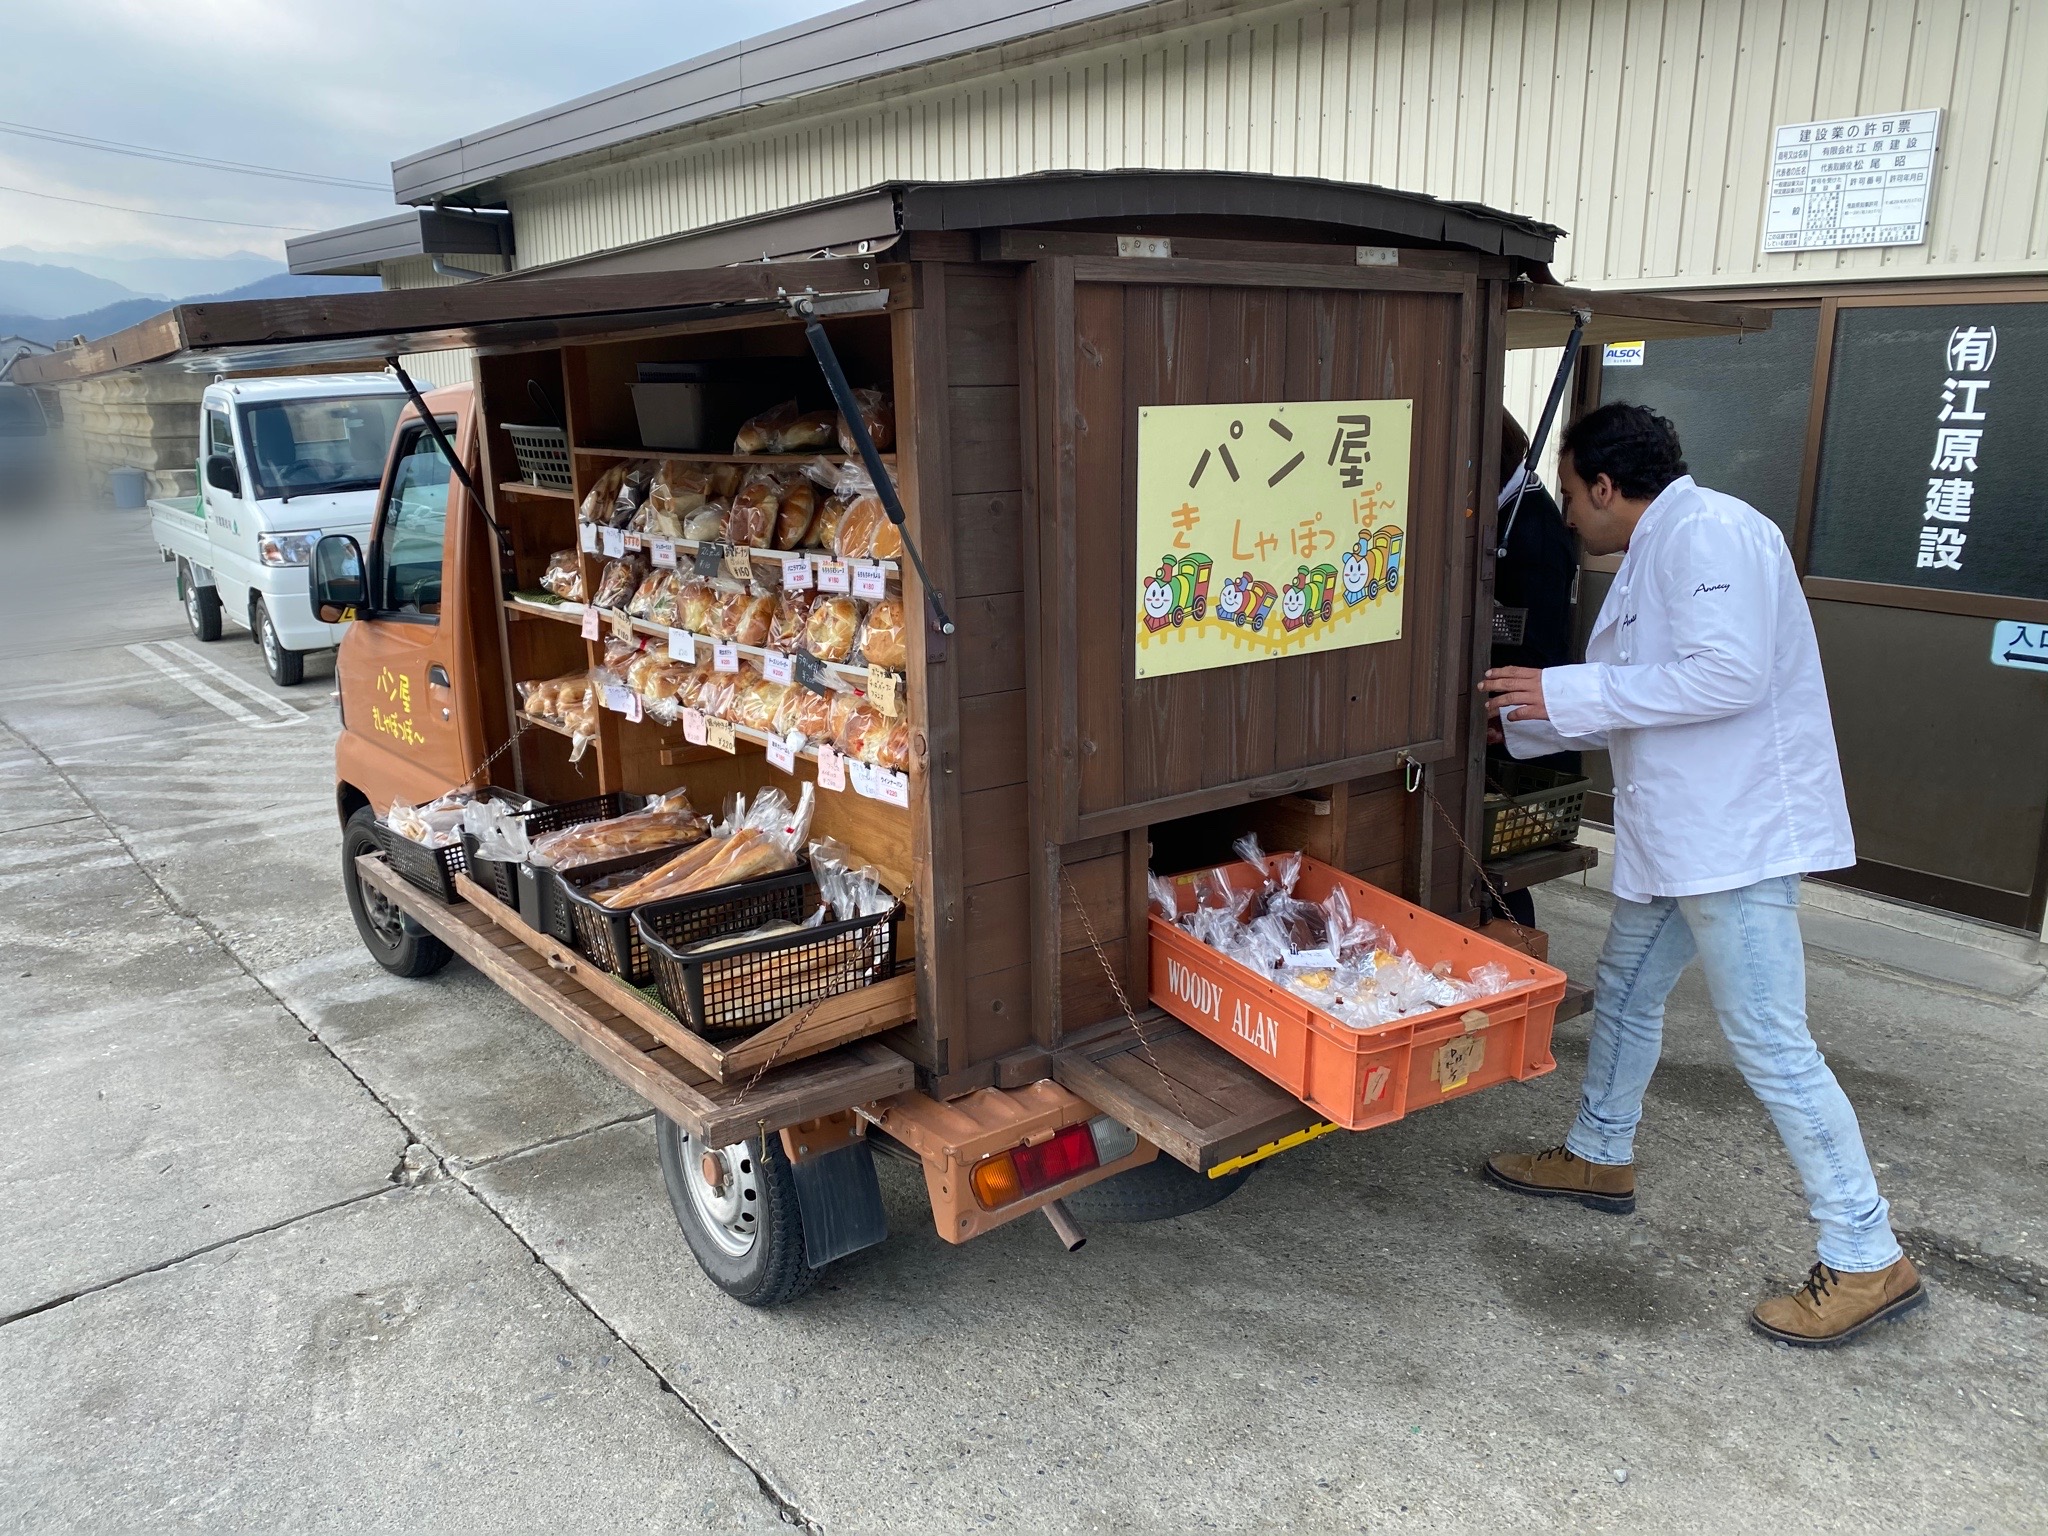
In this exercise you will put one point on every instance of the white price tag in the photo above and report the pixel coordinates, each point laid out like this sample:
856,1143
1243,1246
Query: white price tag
725,657
776,667
832,576
892,786
615,697
682,646
882,690
693,727
863,778
870,581
635,710
781,754
590,622
586,537
831,769
796,572
633,540
665,553
614,542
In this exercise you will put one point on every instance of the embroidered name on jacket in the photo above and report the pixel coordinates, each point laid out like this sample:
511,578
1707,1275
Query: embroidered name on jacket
1721,586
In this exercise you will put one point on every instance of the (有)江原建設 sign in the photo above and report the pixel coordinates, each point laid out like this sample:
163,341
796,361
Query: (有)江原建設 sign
1269,530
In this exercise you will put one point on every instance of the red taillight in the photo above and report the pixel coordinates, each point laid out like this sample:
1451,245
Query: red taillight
1070,1151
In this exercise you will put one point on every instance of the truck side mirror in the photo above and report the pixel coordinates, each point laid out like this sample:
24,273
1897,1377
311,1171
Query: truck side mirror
336,584
222,475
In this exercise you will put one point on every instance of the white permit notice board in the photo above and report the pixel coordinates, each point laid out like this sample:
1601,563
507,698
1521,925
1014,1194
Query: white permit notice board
1852,181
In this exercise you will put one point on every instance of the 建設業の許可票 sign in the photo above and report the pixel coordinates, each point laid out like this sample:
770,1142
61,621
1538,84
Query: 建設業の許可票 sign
1269,530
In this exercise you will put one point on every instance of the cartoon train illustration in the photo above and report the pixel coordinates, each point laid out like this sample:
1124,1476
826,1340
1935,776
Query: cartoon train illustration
1306,599
1372,565
1246,601
1178,591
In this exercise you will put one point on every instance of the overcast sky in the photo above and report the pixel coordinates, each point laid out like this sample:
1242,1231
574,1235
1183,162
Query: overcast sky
338,89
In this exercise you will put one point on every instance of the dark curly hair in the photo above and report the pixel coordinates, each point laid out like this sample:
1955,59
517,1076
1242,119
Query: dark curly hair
1630,444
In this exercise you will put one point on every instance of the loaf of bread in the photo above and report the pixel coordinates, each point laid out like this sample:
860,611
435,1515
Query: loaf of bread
750,521
883,640
824,532
792,611
807,432
795,512
761,434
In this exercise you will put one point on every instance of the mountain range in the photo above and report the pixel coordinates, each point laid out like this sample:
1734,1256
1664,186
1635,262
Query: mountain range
49,302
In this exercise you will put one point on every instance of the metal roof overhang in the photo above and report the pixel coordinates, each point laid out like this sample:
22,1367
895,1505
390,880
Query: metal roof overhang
1540,315
257,334
358,248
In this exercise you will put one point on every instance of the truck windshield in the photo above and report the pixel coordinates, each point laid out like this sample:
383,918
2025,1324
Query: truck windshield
303,447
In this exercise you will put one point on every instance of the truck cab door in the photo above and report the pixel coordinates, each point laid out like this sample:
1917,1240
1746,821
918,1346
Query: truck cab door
400,671
220,507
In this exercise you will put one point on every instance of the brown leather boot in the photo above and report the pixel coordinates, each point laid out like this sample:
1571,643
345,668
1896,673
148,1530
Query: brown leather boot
1834,1305
1556,1173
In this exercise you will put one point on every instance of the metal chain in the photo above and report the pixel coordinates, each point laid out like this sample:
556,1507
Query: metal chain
511,741
1500,899
797,1022
1116,986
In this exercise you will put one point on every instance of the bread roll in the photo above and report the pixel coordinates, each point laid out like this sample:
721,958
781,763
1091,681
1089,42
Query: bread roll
695,600
750,521
792,610
755,705
824,532
896,752
813,714
753,618
707,521
829,632
878,415
760,434
883,640
796,511
812,430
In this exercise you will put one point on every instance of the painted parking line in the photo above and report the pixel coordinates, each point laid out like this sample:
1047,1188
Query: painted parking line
169,665
213,669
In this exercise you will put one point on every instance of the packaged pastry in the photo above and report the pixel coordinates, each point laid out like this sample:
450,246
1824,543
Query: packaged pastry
696,598
813,429
597,503
865,532
883,641
707,521
830,630
641,604
664,682
839,720
765,841
878,415
641,667
795,512
789,709
618,656
656,522
691,694
792,611
564,576
722,690
722,480
579,716
437,824
755,705
896,751
811,714
825,526
631,493
666,822
663,609
750,521
753,619
760,434
620,579
678,487
547,697
863,733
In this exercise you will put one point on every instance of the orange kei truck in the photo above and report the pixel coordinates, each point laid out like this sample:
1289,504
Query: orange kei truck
1037,1038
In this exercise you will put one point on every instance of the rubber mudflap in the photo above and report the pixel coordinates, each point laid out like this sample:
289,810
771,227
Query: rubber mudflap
841,1201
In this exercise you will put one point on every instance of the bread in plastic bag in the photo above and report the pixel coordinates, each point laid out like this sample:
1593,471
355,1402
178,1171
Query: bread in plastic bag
618,581
696,601
678,488
652,587
878,415
750,520
795,511
564,576
761,434
437,824
849,887
706,522
599,500
883,641
832,627
792,611
824,532
667,821
801,434
765,841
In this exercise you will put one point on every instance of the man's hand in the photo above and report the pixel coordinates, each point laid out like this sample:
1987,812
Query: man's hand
1514,693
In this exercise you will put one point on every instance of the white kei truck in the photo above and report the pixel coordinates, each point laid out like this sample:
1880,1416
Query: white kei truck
281,462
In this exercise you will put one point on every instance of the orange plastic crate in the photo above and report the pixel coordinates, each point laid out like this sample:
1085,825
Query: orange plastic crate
1361,1078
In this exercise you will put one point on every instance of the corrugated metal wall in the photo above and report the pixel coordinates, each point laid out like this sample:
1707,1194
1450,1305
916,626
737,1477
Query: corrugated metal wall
1642,126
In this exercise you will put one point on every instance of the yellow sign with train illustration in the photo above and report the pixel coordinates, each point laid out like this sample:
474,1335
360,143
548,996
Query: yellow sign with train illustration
1269,530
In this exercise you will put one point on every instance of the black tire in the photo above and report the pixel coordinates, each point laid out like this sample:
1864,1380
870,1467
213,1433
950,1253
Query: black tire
1156,1191
773,1268
287,669
202,604
377,921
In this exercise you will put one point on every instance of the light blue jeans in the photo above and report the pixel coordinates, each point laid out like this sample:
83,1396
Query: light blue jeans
1748,944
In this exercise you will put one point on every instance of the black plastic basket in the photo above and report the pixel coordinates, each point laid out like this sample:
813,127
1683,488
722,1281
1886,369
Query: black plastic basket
737,991
544,908
615,941
1530,806
501,876
433,870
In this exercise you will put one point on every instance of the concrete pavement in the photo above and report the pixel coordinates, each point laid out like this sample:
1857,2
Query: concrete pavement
295,1244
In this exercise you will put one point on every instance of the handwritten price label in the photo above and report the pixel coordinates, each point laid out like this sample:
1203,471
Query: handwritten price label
796,572
870,581
586,537
634,540
616,697
892,787
831,770
718,733
591,618
665,553
742,564
710,555
832,576
725,657
614,542
863,778
781,754
635,710
682,646
622,627
882,690
777,667
693,727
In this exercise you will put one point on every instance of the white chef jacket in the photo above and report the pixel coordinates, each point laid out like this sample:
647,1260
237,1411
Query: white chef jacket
1702,681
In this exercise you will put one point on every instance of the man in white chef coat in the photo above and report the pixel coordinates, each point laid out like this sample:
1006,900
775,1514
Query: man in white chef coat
1702,681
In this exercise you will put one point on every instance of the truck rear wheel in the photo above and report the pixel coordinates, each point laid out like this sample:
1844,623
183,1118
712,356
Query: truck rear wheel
1156,1191
287,669
378,920
202,604
738,1210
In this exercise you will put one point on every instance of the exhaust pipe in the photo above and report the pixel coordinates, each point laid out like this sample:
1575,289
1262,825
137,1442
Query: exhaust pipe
1063,1225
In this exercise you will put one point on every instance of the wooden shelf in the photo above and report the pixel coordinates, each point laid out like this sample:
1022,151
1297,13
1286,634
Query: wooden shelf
770,459
1519,871
546,492
547,725
572,613
636,542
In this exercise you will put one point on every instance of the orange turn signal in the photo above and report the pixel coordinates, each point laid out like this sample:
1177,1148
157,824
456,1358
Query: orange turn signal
995,1181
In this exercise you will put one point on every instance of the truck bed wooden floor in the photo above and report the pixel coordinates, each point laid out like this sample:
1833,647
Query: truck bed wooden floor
715,1113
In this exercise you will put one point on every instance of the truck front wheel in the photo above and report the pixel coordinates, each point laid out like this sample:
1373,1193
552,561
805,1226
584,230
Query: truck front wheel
738,1210
286,668
202,604
378,920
